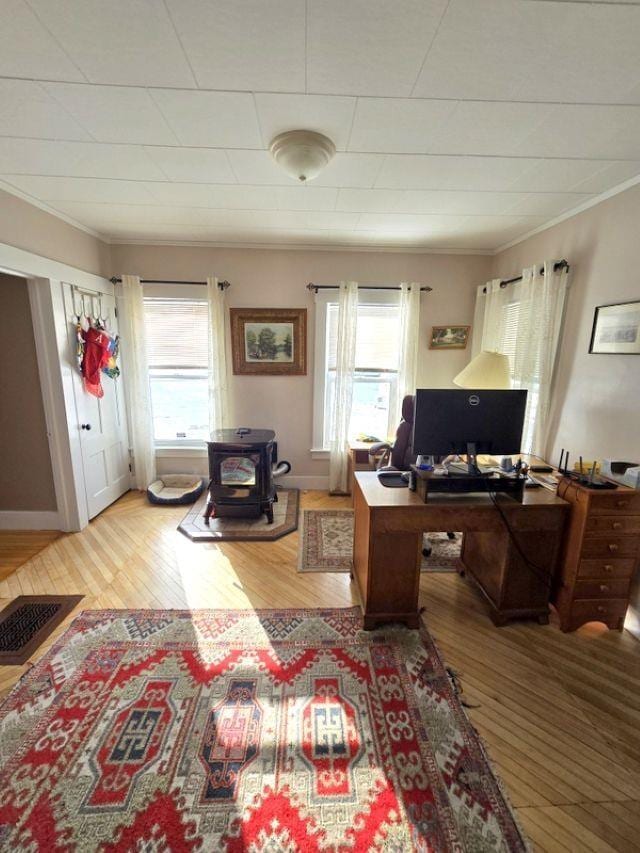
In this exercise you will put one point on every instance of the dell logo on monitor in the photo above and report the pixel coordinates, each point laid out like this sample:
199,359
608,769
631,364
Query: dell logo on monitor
474,400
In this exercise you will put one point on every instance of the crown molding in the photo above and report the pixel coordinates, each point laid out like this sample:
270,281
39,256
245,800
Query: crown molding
41,205
569,214
301,247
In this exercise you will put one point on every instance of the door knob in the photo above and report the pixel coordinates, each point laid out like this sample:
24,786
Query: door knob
85,426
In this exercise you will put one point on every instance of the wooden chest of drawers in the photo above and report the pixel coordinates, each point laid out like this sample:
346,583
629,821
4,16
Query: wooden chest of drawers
600,555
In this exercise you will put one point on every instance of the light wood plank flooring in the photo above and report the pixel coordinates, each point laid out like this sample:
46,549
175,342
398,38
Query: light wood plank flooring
18,546
560,713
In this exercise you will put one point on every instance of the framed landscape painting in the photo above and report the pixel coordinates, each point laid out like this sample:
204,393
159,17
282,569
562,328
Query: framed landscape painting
616,329
269,341
449,337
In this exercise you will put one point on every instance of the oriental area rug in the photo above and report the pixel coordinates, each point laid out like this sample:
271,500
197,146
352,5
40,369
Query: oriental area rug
273,730
326,544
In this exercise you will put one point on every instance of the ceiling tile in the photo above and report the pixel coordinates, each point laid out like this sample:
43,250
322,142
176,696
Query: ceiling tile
546,204
244,197
455,202
584,131
368,200
249,45
415,171
27,110
210,165
406,222
130,42
488,127
27,49
78,159
258,167
607,177
372,47
534,52
329,115
401,125
113,113
564,175
212,119
97,190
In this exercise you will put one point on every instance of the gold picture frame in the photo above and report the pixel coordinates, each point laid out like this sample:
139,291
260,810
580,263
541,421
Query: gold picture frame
269,341
449,337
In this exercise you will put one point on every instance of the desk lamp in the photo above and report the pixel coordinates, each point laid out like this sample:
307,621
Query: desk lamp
486,370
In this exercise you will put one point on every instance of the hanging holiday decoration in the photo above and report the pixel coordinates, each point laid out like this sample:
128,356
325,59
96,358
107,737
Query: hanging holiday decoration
96,349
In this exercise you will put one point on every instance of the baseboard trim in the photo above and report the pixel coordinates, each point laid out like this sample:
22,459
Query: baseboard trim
304,482
27,520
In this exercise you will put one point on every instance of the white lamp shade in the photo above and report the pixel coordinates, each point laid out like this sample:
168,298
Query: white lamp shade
486,370
303,154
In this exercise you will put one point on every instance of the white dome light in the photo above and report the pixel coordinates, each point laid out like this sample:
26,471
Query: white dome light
303,154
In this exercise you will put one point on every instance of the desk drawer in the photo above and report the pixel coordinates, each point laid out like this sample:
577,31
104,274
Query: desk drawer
613,523
627,502
602,588
608,610
606,569
610,546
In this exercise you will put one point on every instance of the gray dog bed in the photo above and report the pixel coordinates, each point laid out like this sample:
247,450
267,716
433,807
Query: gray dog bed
175,489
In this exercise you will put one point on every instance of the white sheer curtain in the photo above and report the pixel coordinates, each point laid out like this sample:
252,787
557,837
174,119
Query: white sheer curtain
541,308
408,343
524,320
345,367
219,407
136,382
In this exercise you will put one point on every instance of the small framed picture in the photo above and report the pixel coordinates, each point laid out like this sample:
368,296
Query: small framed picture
616,329
269,341
449,337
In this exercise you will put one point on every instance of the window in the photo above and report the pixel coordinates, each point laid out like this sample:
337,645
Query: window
509,344
376,374
177,345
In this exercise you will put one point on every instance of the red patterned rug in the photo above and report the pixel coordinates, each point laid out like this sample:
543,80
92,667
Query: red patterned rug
276,730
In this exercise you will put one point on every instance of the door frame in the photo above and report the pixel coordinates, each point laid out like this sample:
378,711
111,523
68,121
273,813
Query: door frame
45,279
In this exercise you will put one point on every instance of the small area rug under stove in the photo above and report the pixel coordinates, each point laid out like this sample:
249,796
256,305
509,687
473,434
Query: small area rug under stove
285,520
279,730
326,544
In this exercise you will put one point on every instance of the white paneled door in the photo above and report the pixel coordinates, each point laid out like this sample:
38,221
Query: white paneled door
101,422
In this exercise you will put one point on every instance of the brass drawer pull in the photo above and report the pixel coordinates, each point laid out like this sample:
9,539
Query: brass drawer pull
604,587
616,525
621,503
612,546
608,567
602,609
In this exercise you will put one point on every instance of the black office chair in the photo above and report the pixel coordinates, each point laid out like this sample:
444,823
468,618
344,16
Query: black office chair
399,456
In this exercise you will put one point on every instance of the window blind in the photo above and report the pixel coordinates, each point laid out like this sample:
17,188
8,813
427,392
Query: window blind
377,337
176,332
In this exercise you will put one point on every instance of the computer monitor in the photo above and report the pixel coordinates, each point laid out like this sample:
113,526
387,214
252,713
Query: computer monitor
468,421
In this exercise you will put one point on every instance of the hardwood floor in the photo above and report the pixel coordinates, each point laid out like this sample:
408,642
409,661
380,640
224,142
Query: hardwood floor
18,546
560,713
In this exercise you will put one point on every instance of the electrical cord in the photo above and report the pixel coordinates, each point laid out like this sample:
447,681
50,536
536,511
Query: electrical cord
541,573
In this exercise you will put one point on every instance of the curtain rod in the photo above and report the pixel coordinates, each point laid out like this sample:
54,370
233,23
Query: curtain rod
223,285
559,265
317,287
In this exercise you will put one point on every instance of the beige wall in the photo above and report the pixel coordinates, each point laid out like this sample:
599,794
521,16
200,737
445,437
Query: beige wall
29,228
278,278
597,397
25,463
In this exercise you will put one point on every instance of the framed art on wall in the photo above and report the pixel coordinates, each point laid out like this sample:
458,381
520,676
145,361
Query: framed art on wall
449,337
269,341
616,329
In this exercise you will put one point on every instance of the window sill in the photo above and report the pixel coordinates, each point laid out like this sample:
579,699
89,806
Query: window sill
163,451
319,453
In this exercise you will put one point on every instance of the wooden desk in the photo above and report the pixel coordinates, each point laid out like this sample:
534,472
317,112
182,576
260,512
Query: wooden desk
389,524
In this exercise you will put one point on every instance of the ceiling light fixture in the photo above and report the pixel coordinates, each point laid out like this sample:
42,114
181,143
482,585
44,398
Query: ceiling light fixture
303,154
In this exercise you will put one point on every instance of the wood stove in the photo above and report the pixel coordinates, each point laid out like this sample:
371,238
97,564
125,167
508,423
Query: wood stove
241,472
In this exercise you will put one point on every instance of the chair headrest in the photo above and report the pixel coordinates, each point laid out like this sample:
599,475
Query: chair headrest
408,406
